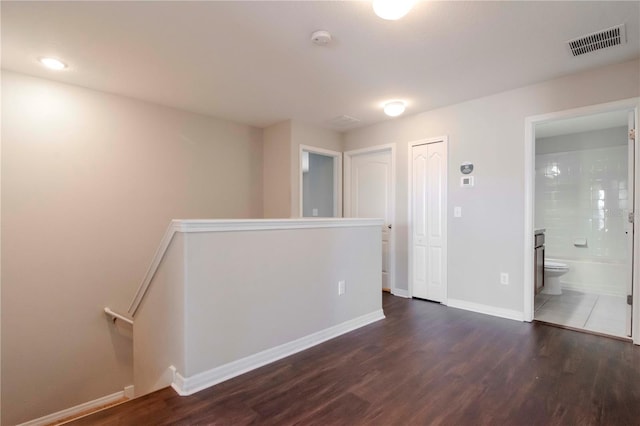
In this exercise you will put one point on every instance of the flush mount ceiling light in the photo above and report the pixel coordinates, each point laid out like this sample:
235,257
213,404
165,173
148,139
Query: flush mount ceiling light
53,63
392,10
394,108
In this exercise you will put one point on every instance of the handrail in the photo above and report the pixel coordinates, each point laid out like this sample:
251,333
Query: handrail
116,316
227,225
153,268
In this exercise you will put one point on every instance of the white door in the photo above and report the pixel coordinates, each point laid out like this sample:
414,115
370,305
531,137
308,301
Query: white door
630,224
429,221
370,181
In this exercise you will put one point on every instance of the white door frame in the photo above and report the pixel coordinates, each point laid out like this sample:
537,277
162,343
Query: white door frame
529,190
439,139
337,176
348,155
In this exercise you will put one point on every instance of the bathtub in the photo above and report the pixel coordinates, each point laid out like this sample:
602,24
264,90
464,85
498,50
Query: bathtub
599,276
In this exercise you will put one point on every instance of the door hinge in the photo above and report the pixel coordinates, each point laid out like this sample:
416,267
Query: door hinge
632,134
630,217
629,300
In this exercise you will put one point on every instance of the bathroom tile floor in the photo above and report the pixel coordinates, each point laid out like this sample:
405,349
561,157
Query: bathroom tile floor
593,312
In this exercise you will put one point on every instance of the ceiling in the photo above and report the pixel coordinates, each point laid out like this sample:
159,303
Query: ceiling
254,63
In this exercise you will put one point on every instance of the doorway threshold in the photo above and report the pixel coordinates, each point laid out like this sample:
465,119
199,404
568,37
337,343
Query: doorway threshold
582,330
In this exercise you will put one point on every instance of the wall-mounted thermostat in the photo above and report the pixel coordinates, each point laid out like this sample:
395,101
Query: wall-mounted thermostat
467,181
466,168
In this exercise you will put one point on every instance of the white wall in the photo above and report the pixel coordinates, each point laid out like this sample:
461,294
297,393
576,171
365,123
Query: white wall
89,183
488,239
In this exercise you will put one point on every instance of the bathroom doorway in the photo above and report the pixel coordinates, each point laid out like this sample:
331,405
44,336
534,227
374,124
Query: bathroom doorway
583,175
320,182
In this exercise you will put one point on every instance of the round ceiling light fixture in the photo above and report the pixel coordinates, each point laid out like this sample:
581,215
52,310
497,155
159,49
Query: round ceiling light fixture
53,63
392,10
394,108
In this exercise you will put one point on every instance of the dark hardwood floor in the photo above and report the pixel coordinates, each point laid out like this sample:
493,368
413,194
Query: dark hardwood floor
424,364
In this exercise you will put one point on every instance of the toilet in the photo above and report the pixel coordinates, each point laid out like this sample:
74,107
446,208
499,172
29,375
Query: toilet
552,272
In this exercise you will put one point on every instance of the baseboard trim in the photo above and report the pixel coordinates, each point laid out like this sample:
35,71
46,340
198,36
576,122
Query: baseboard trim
79,410
486,309
400,292
129,392
189,385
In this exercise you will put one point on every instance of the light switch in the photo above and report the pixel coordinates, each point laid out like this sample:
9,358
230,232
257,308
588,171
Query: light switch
457,212
467,181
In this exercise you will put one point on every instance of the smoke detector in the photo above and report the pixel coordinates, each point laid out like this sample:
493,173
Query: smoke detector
321,38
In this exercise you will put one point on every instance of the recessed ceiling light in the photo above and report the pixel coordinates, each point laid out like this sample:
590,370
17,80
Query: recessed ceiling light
392,9
394,108
53,63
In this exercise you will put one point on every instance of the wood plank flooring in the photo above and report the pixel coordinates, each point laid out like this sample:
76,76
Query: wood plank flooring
424,364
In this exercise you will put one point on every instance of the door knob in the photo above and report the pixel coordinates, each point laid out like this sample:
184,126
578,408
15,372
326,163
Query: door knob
389,226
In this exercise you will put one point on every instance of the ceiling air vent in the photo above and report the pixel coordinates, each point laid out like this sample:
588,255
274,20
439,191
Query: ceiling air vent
343,122
610,37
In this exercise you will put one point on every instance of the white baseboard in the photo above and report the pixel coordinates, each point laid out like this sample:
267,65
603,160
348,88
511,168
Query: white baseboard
400,292
486,309
189,385
79,409
129,392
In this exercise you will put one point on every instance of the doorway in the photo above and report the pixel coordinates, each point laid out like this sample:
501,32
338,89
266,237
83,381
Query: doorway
580,198
320,182
428,219
369,192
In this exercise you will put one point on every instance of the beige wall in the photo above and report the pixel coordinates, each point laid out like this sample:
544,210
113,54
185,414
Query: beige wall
90,181
317,137
298,281
276,170
158,329
282,163
238,296
489,237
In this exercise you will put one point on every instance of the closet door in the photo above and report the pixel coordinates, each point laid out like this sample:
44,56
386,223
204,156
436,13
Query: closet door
429,221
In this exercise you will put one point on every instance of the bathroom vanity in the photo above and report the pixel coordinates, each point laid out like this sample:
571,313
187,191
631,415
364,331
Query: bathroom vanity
538,260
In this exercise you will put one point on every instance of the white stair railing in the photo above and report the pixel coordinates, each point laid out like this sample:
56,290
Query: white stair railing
116,316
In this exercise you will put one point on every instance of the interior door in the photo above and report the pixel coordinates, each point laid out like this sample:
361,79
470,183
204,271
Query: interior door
370,197
428,221
631,213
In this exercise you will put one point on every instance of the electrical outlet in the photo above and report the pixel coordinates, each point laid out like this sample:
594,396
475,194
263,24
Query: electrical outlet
342,288
457,212
314,212
504,278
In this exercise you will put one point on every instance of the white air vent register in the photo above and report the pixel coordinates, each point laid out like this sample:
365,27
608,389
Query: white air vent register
603,39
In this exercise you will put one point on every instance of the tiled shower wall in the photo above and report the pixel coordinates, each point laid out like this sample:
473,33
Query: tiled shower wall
582,194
